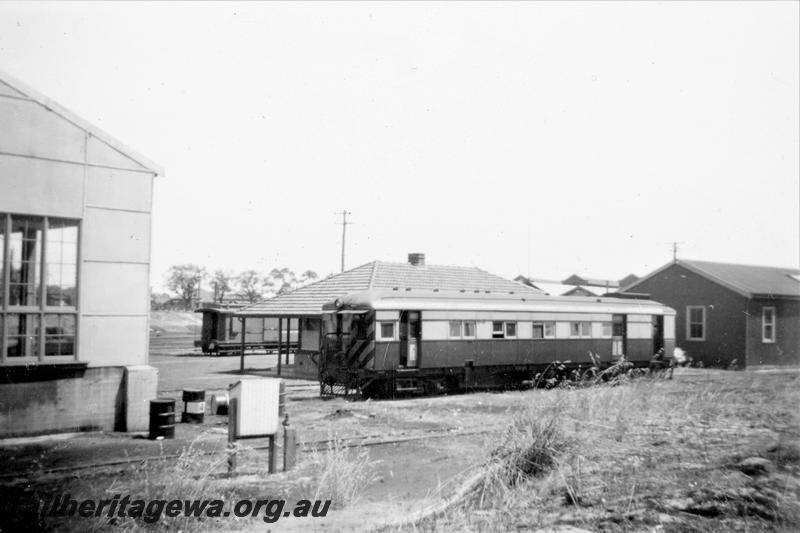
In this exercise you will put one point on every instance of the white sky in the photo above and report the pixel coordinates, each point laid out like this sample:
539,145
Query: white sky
533,138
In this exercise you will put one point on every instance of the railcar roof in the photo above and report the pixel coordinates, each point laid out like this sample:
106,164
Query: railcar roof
483,301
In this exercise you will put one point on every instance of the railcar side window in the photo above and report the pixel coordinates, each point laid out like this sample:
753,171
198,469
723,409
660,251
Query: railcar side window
544,330
580,329
768,324
497,330
607,329
511,329
455,329
387,330
696,323
469,329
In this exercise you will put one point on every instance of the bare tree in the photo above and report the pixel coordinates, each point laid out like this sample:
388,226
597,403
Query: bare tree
251,285
184,280
221,283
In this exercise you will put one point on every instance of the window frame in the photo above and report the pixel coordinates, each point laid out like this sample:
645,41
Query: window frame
41,310
603,334
381,323
689,309
580,324
773,324
544,324
464,329
501,333
450,324
513,324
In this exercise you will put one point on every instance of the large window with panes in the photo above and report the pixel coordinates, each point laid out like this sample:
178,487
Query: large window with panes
38,288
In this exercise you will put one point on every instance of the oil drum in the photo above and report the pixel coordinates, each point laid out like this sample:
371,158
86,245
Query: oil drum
219,404
162,418
194,406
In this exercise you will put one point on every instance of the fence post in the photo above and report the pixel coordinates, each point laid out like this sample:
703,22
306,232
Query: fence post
233,409
289,445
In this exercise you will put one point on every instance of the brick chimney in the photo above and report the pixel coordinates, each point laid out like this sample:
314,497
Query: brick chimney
417,260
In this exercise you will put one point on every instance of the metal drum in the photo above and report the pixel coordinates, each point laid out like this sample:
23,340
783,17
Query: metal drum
219,404
162,418
194,406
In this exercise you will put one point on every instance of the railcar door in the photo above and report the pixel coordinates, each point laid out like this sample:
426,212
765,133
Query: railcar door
619,334
410,334
658,333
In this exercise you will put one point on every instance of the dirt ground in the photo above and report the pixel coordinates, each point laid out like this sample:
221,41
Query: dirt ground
417,452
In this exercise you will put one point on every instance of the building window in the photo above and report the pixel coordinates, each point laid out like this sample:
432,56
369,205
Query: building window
696,323
606,329
580,329
38,288
387,331
455,329
497,330
768,324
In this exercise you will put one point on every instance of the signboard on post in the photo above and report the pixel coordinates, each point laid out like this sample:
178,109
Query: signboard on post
256,413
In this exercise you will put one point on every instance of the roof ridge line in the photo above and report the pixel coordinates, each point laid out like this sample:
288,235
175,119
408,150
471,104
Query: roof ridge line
372,275
749,265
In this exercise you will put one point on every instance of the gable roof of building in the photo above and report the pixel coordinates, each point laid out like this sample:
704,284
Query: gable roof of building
18,89
308,300
575,279
748,280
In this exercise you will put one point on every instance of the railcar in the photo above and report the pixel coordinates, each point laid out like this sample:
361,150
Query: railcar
221,332
382,343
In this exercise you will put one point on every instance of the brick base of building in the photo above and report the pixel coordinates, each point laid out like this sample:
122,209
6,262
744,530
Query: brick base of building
36,401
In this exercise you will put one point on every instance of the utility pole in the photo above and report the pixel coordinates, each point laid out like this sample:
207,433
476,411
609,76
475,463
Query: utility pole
674,250
344,231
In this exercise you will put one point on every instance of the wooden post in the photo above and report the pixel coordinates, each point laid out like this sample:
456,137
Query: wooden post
232,419
289,445
280,335
241,362
288,338
273,457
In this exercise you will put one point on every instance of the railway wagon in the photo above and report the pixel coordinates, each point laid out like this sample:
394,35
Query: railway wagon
221,332
386,342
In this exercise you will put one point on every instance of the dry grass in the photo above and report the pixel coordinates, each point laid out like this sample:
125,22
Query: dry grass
342,474
645,454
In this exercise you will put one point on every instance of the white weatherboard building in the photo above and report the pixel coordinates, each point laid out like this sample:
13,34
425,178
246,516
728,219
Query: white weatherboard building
75,225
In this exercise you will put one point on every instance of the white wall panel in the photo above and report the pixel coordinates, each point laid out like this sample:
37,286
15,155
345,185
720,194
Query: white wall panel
119,189
562,330
114,288
640,330
640,318
38,132
483,330
669,327
116,236
525,330
389,315
433,330
113,341
99,153
39,187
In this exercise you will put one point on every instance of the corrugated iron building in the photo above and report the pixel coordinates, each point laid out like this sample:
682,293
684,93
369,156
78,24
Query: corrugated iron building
75,208
730,313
